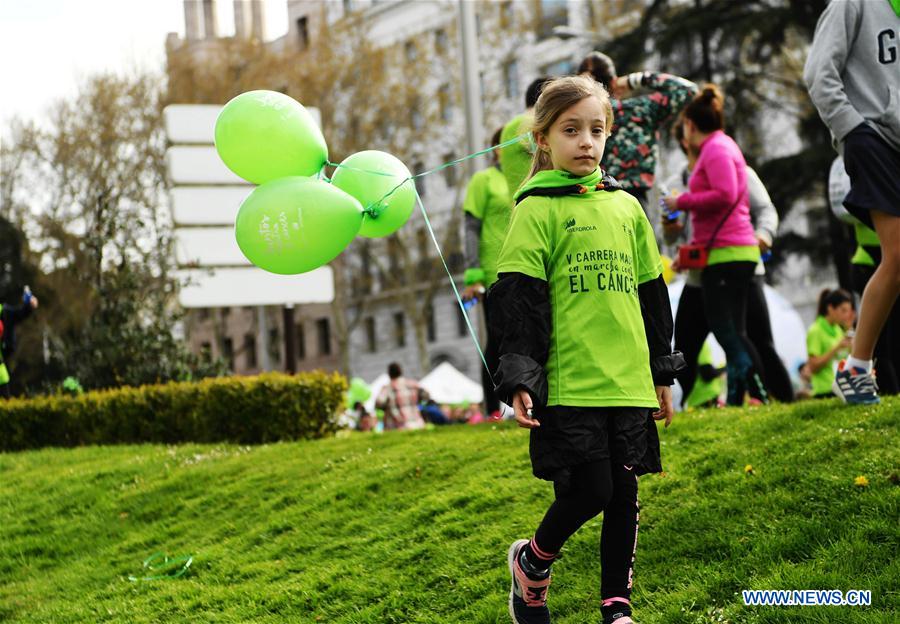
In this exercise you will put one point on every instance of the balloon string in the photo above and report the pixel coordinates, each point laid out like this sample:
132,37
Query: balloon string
459,300
372,209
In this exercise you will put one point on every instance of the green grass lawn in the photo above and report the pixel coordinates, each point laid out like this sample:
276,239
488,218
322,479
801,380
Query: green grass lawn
413,527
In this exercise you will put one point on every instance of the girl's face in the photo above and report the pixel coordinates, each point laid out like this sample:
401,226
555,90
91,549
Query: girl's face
692,136
576,139
842,314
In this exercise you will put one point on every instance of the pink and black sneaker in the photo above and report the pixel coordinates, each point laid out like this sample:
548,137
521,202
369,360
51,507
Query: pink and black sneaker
527,594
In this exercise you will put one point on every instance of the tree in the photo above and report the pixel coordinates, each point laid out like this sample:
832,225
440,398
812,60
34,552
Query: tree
369,97
89,188
755,50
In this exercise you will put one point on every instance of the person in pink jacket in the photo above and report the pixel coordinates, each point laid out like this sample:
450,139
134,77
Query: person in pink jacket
719,208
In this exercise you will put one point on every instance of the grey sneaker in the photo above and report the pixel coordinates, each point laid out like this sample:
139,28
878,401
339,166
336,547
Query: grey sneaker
527,596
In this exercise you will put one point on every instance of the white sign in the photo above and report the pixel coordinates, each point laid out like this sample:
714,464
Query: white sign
198,164
206,197
250,286
207,205
208,247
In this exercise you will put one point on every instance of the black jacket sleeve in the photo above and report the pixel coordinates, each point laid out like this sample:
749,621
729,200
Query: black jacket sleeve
658,325
11,315
519,322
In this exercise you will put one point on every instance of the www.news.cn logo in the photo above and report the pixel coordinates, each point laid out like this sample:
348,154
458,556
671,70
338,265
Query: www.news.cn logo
806,597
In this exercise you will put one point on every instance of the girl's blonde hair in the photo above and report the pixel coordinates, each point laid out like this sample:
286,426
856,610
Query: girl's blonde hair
558,96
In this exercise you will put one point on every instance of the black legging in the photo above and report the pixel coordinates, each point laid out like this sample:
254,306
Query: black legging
759,330
691,330
595,487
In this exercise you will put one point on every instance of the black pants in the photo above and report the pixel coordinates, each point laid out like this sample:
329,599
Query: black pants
887,349
491,402
725,292
759,329
598,486
691,330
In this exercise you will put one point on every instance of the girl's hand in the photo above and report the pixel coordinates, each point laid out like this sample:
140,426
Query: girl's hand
671,202
522,407
666,408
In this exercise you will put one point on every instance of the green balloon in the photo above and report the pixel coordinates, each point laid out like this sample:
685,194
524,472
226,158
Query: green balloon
294,225
370,188
265,135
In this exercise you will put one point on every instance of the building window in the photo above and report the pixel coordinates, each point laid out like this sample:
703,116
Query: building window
371,338
224,313
323,336
275,344
419,168
416,116
552,13
203,313
444,102
559,68
430,327
301,341
393,249
450,172
410,51
303,32
461,327
250,351
506,14
511,79
228,353
440,41
399,329
206,350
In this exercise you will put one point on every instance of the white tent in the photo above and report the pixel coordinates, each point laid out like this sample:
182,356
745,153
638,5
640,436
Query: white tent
788,332
445,384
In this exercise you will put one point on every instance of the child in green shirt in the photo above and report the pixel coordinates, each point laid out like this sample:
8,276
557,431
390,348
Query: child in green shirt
827,340
584,328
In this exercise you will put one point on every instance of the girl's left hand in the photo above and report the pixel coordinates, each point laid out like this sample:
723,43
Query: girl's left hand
666,408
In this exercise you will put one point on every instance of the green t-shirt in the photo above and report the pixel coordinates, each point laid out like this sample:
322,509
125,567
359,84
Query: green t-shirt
488,199
704,391
865,236
593,249
820,339
735,253
515,159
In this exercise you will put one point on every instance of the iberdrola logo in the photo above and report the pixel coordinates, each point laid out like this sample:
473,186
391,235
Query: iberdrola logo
570,226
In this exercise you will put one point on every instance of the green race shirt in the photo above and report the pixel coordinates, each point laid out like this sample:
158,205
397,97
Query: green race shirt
488,199
515,159
704,391
593,250
820,339
865,236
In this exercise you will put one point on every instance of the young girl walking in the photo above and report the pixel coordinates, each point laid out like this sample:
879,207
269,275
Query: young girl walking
584,331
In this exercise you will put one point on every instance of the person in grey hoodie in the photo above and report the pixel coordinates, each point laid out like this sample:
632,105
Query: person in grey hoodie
853,76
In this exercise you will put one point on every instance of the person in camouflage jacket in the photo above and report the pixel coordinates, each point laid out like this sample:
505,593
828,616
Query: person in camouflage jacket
629,155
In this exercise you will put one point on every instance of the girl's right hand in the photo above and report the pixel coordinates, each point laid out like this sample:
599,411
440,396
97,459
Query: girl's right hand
522,407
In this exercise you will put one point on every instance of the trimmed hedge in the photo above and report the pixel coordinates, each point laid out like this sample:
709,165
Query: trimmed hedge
246,410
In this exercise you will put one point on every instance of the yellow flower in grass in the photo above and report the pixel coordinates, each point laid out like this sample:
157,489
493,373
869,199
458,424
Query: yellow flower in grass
748,469
861,481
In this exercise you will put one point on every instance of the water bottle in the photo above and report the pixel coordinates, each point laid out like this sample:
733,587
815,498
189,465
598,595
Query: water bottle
26,295
670,217
765,257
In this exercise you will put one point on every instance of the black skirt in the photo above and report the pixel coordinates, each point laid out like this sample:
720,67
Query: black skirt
571,436
873,167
